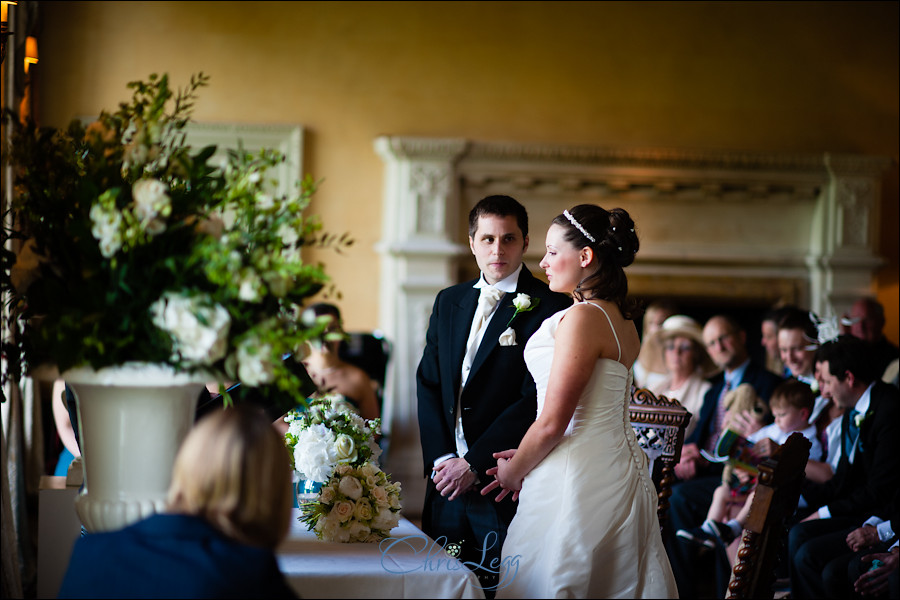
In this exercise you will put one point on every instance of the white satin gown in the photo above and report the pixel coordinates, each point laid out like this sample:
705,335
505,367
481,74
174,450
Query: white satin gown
586,526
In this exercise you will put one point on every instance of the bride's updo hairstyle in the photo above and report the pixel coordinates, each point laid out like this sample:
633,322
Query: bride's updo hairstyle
610,234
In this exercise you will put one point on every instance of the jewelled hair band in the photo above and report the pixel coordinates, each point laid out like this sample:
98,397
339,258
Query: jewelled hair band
578,226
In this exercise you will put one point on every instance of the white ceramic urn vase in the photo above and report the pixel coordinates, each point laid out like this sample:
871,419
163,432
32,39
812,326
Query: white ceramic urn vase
131,419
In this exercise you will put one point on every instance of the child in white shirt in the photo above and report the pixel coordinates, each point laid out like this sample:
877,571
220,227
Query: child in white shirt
791,404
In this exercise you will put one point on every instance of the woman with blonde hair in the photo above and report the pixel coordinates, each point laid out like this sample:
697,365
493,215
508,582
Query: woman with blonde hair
229,506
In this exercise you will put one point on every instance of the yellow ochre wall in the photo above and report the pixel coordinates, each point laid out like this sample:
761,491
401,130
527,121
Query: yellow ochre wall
806,77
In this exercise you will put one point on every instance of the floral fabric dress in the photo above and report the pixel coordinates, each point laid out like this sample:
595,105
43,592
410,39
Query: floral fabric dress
586,526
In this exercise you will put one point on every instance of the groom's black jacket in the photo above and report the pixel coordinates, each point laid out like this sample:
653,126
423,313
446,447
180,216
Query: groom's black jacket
499,400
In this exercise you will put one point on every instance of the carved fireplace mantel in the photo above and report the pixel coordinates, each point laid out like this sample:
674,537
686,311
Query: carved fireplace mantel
797,227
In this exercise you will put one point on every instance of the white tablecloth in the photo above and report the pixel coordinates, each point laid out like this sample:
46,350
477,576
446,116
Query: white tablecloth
410,565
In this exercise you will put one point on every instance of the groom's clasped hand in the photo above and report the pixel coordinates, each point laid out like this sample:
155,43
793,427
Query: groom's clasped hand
500,481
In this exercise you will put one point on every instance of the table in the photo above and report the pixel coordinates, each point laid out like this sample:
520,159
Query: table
409,565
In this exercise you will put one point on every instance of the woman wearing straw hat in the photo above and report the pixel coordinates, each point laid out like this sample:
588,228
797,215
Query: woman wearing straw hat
681,341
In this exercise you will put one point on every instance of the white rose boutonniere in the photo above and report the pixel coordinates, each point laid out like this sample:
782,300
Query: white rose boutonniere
859,418
522,303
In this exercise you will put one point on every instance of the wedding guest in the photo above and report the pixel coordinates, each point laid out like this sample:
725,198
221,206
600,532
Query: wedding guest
650,366
64,429
868,473
336,376
866,319
475,395
797,343
691,496
769,337
791,404
229,506
587,523
687,363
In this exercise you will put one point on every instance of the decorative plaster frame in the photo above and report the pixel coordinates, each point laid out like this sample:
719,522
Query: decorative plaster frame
825,257
287,139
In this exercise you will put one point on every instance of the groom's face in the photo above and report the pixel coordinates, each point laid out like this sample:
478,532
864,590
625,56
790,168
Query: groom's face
498,246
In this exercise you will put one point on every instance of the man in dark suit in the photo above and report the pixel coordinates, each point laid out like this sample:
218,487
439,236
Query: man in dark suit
868,473
726,343
475,395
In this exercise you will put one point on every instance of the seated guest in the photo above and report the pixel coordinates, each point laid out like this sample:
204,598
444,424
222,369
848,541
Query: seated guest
866,318
691,497
336,376
229,506
826,416
650,367
769,338
797,344
791,404
688,365
868,473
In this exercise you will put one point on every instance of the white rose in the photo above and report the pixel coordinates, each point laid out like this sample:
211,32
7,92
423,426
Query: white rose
522,302
326,496
508,337
381,496
200,332
345,448
254,363
264,201
359,532
363,510
385,520
288,234
250,285
151,199
351,487
343,510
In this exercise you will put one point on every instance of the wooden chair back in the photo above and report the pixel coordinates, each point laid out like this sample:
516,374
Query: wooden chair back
659,425
765,532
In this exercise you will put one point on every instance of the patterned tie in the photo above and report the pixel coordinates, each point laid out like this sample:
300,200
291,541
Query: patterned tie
719,419
851,433
486,303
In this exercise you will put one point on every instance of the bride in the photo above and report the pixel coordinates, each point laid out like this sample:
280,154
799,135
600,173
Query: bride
586,525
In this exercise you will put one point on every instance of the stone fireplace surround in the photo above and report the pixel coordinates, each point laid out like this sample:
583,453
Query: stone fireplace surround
728,227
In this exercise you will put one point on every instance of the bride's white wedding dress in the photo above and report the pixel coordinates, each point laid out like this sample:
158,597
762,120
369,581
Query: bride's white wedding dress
586,526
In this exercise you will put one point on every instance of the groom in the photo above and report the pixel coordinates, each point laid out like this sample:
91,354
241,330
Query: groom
475,395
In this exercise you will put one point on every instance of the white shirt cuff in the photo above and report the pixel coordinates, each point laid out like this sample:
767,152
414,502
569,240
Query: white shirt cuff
885,531
441,459
824,513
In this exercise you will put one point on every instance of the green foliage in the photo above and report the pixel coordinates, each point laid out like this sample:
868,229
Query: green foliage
137,247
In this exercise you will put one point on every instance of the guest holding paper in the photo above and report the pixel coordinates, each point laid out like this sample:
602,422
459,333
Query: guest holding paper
229,506
587,523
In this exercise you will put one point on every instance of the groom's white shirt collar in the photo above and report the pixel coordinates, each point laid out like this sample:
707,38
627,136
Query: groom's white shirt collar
508,284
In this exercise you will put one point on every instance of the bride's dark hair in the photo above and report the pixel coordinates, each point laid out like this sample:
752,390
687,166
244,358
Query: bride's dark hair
614,243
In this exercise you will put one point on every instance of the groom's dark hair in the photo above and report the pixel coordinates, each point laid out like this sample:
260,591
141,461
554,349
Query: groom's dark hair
501,206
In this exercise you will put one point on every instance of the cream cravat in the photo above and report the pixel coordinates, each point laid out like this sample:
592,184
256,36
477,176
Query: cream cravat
487,301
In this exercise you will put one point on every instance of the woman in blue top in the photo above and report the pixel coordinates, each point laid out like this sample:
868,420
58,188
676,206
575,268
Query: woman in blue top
229,507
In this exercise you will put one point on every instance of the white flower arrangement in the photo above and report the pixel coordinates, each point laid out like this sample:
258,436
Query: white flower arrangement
328,434
129,246
332,444
356,504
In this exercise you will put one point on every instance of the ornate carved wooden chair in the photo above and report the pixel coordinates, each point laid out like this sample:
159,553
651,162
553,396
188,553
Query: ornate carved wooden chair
659,425
777,492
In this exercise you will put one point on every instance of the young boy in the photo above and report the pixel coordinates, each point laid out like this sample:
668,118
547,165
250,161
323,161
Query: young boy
791,404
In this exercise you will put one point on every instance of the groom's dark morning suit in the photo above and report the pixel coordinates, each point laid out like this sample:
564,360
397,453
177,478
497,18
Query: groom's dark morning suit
498,404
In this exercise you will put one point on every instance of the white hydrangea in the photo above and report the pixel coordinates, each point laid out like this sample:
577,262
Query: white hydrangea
314,453
200,332
107,229
151,200
255,364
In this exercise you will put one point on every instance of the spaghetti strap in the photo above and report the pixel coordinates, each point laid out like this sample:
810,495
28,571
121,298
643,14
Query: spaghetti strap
619,346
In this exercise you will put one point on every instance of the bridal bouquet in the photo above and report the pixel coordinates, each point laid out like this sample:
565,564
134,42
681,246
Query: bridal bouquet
331,444
329,433
356,504
134,247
